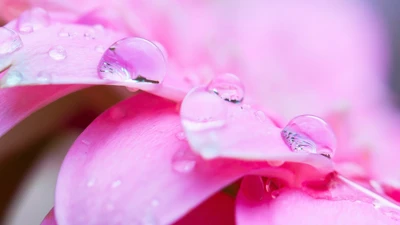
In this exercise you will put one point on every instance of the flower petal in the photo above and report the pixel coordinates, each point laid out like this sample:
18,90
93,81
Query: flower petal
122,168
49,219
296,207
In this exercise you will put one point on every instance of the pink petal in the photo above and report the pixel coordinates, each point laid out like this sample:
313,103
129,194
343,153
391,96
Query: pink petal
49,219
217,210
18,103
296,207
123,168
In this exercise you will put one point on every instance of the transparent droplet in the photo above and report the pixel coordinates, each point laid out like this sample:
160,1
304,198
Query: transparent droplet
12,78
43,77
57,53
228,87
308,133
33,20
133,60
162,49
100,48
116,184
63,34
195,118
183,161
9,41
260,115
180,136
89,35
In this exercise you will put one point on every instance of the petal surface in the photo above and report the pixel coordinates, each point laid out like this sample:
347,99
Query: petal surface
296,207
123,168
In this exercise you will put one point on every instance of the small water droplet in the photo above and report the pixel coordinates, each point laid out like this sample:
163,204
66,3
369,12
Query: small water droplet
91,182
43,77
228,87
57,53
89,34
33,20
155,203
245,107
133,60
116,184
63,34
183,161
98,27
100,48
308,133
9,41
12,78
180,136
260,115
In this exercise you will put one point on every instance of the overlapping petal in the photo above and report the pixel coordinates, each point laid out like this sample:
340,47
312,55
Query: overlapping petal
49,219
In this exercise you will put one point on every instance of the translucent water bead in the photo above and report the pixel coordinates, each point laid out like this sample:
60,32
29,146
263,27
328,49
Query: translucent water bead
228,87
308,133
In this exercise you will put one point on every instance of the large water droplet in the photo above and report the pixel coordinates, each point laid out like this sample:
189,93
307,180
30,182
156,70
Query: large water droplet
12,78
228,87
9,41
308,133
211,116
133,60
58,53
33,20
183,161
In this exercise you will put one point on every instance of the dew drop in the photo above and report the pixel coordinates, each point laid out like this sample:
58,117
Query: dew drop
228,87
9,41
100,49
63,34
183,161
89,35
43,77
57,53
12,78
308,133
133,60
116,184
33,20
180,136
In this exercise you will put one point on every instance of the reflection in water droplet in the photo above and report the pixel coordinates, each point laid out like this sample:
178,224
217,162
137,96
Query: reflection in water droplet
9,41
183,161
180,136
12,78
133,60
57,53
116,183
43,77
308,133
63,34
228,87
33,20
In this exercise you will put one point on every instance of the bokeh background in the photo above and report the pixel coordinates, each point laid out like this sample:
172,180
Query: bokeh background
29,165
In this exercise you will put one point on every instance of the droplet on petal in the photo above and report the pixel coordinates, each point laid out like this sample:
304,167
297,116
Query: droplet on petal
162,49
260,115
308,133
183,161
58,53
33,20
100,48
228,87
211,116
133,60
43,77
180,136
9,41
12,78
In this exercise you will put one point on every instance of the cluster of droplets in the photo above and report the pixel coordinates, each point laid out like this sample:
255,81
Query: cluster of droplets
33,20
310,134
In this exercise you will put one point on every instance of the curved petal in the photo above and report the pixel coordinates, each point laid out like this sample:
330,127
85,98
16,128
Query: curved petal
18,103
129,166
296,207
217,210
49,219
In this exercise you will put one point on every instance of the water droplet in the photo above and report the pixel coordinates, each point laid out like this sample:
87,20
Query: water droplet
43,77
228,87
133,60
155,203
100,48
180,136
162,49
12,78
9,41
308,133
116,184
63,34
89,34
91,182
183,161
196,118
57,53
33,20
260,115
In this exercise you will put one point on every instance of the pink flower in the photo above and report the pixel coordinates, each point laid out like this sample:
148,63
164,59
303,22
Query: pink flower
160,160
